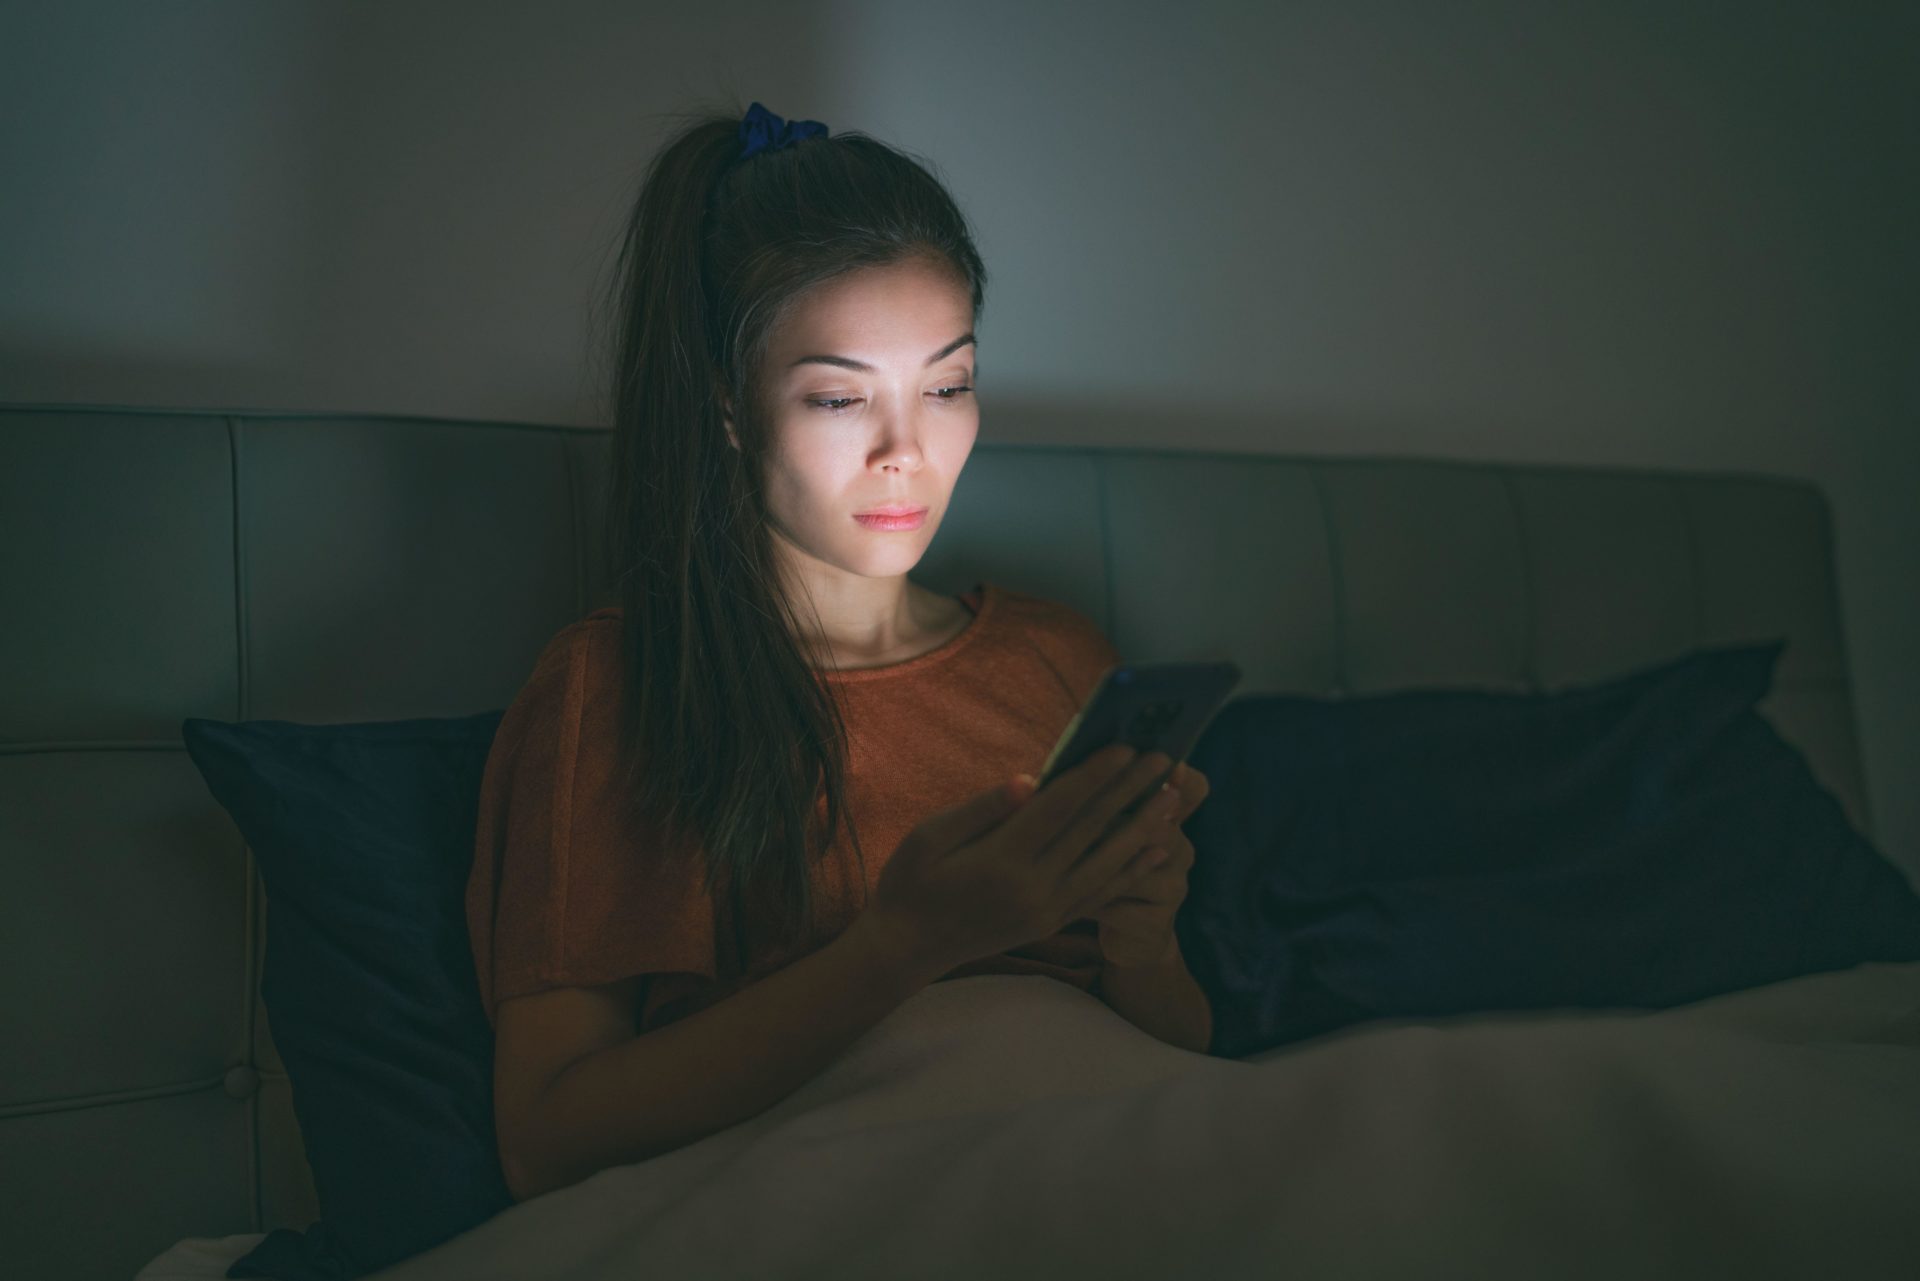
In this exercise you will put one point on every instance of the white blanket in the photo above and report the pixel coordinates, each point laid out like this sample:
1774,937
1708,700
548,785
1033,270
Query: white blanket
1012,1126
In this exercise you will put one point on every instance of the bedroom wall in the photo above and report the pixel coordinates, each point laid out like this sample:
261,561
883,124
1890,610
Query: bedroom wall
1640,234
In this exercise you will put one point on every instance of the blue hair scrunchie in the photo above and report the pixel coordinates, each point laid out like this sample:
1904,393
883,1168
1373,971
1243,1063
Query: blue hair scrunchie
761,130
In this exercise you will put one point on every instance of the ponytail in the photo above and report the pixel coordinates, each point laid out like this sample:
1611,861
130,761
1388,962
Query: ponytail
731,743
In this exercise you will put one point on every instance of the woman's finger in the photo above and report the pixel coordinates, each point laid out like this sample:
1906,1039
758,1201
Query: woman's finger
1193,788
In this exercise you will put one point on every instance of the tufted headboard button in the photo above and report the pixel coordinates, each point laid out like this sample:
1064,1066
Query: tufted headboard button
241,1082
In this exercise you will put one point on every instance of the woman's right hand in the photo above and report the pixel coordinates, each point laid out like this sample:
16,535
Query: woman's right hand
1010,866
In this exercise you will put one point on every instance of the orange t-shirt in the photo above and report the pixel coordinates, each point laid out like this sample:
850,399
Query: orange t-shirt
561,895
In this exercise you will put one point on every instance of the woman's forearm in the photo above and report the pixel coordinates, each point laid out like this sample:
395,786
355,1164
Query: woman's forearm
1161,999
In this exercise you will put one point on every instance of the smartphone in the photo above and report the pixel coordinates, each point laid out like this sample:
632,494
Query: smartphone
1151,707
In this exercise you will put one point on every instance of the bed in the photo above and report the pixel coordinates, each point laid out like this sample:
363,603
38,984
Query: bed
242,566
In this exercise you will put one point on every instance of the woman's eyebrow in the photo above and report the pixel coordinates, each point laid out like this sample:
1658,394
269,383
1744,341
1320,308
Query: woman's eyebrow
846,363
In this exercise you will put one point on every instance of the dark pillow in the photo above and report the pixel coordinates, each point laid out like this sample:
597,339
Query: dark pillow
364,838
1640,843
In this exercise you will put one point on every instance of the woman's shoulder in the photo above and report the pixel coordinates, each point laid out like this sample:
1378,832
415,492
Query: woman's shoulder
1065,637
573,672
1053,620
592,632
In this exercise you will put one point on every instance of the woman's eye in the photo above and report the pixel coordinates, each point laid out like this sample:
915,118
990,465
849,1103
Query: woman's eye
838,404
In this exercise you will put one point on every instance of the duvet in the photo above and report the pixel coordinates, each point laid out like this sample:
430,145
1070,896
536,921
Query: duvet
1011,1126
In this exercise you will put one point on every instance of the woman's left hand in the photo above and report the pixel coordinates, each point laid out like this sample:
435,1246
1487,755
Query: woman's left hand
1136,928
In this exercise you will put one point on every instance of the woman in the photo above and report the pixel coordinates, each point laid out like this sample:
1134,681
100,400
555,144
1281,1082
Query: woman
671,939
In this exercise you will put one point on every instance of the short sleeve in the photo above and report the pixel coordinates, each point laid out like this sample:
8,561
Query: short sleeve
562,892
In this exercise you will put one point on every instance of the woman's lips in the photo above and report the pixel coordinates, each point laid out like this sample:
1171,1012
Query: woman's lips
893,523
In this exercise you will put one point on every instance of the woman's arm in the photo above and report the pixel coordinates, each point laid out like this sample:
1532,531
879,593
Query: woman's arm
1162,999
574,1094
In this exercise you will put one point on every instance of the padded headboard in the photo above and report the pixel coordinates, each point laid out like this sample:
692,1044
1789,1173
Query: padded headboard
157,565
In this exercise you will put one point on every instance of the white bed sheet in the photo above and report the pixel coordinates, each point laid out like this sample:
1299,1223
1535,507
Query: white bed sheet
1012,1126
199,1258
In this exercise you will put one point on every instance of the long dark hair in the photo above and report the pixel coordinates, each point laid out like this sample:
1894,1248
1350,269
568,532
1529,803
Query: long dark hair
730,740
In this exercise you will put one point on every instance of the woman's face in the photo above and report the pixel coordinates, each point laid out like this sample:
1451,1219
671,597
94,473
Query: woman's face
869,382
